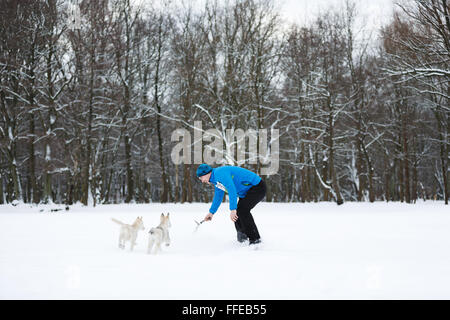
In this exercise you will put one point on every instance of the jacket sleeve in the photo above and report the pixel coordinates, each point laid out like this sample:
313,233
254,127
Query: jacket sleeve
232,193
217,200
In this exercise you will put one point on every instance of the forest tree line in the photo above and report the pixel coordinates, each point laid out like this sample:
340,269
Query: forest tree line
91,92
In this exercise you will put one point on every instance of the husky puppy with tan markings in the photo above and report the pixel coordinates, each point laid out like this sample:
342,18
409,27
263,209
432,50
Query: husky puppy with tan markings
129,232
159,235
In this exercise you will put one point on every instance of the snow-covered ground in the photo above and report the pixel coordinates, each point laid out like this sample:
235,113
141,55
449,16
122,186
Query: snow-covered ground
309,251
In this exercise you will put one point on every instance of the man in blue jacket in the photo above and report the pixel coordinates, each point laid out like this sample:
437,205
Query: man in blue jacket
237,182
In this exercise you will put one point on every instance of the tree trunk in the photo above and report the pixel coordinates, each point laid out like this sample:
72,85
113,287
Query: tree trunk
304,181
70,189
86,176
359,166
14,176
325,170
443,150
2,199
335,184
129,170
177,190
445,158
370,169
444,170
407,189
165,187
187,184
32,159
387,175
32,163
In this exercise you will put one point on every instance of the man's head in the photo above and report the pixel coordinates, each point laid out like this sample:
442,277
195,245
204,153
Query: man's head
204,172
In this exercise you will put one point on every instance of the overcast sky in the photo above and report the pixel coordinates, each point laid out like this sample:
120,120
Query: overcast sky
373,13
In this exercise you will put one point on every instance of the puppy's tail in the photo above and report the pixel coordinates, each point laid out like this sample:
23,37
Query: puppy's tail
117,221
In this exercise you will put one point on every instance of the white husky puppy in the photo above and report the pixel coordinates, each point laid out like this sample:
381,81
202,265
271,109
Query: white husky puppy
129,232
159,235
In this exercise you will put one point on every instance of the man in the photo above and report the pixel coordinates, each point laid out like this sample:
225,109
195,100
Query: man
237,182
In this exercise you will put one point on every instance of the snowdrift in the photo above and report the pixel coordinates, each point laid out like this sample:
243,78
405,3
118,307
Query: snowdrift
309,251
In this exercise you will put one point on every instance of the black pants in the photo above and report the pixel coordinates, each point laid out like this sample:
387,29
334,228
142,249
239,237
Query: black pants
245,222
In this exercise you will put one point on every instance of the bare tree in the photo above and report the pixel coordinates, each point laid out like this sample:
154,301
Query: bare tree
420,61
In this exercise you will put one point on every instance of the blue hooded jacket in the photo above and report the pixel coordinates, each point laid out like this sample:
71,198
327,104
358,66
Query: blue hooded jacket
234,180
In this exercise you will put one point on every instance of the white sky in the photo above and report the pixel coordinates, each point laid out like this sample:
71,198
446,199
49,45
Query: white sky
372,13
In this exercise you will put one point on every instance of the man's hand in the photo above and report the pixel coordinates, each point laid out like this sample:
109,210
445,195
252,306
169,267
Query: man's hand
233,216
209,217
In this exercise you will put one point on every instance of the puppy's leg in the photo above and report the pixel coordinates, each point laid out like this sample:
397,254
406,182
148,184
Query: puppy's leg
158,247
132,242
134,237
150,244
167,239
121,242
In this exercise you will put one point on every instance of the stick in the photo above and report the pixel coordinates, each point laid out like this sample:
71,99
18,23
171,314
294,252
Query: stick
198,225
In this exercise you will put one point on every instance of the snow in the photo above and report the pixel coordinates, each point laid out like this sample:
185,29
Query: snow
309,251
10,134
48,153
